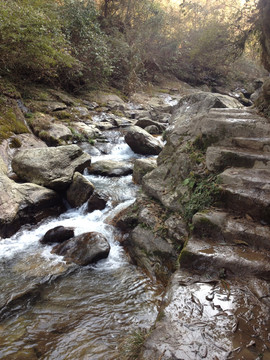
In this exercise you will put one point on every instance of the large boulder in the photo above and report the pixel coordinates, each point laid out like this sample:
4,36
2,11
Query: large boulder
110,168
25,204
141,142
84,249
59,234
193,107
50,167
79,191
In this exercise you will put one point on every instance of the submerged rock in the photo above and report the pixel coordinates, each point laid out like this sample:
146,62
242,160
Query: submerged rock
84,249
58,234
141,142
50,167
79,191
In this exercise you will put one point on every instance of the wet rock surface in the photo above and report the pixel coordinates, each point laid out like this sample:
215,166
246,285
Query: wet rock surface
96,202
58,234
209,318
84,249
79,191
217,305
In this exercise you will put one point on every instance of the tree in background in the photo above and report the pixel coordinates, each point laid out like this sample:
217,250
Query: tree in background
82,43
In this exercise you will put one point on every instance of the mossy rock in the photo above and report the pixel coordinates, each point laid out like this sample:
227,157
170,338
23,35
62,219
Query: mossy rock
63,115
11,119
15,143
8,89
40,93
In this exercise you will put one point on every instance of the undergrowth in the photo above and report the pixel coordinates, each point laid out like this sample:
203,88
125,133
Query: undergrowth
203,192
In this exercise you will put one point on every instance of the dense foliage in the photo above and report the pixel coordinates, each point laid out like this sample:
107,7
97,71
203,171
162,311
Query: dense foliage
76,43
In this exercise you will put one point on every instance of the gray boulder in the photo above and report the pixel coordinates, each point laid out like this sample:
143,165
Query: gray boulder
59,234
87,130
50,167
110,168
84,249
25,204
141,142
142,167
79,191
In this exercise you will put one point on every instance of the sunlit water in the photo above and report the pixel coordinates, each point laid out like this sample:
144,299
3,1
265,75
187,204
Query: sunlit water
78,313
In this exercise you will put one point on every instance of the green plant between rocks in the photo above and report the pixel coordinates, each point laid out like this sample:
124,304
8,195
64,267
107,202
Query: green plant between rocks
203,192
131,346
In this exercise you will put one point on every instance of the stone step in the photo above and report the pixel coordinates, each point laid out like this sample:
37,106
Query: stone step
257,144
220,125
221,226
223,259
219,158
246,178
247,191
248,113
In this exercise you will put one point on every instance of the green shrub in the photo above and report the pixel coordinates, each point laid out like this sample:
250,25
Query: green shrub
79,20
31,42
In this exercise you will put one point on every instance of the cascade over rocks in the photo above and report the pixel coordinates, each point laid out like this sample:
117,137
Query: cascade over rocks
84,249
50,167
141,142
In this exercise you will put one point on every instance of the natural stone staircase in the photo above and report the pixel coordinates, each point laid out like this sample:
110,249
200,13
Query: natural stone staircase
235,236
218,303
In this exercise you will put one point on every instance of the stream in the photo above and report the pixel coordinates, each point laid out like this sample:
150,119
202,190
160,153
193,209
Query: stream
52,310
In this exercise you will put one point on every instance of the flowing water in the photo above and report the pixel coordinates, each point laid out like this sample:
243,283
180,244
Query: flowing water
52,310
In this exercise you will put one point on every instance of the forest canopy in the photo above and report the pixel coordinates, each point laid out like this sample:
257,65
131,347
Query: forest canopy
76,43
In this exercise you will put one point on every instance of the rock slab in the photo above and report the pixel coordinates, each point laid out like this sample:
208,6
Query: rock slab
50,167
